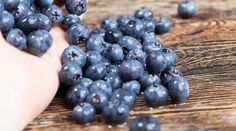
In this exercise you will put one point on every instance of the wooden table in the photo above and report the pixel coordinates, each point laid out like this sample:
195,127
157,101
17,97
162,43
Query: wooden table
206,48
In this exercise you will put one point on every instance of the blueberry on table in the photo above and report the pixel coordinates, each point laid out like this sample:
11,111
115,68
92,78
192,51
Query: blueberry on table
149,24
39,42
124,19
17,38
187,9
101,85
163,26
169,73
69,20
70,73
149,36
10,5
170,56
77,7
178,89
134,28
137,54
83,113
44,3
112,35
93,57
77,33
100,32
74,53
149,46
76,94
156,62
96,71
114,53
109,23
129,43
115,112
143,12
98,99
148,79
7,22
95,42
156,95
131,70
114,80
85,82
145,123
55,14
133,86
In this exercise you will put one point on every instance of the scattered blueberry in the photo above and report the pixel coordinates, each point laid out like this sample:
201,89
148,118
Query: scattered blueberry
169,73
55,14
101,85
100,32
83,113
77,7
170,56
143,12
112,35
7,22
149,36
163,26
134,28
112,68
17,38
145,123
133,86
187,9
148,79
76,94
69,20
98,99
149,24
93,57
124,19
109,23
156,62
96,71
114,80
114,53
137,54
85,82
129,43
22,10
149,46
95,42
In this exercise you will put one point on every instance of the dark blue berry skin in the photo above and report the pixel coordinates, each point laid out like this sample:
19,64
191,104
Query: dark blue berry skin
113,69
129,43
131,70
178,89
76,94
149,24
137,54
124,19
55,14
125,95
39,42
134,28
17,38
149,36
98,99
74,53
85,82
109,23
170,56
96,71
22,10
83,113
34,22
169,73
163,26
133,86
150,46
95,42
69,20
143,13
1,7
112,35
100,32
10,5
114,53
77,7
115,112
93,57
70,74
114,80
7,22
187,9
148,79
44,3
145,123
156,95
77,33
101,85
156,62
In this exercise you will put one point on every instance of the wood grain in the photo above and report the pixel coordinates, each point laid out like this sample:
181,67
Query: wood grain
206,48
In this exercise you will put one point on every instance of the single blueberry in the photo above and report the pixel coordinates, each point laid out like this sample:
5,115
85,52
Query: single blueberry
101,85
100,32
163,26
187,9
17,38
109,23
77,7
124,19
22,10
114,53
7,22
95,42
169,73
10,5
44,3
156,62
112,68
129,43
98,99
96,71
83,113
149,46
69,20
134,28
148,79
55,14
137,54
133,86
170,56
114,80
143,12
149,24
145,123
93,57
85,82
76,94
112,35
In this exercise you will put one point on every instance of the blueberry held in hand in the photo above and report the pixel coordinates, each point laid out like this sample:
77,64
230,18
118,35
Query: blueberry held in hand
7,22
17,38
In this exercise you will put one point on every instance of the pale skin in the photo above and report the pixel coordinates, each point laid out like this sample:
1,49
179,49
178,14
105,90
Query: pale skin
28,83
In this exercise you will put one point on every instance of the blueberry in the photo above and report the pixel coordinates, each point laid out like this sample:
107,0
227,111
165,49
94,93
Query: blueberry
156,95
77,7
163,26
129,43
70,73
149,36
93,57
150,46
187,9
169,73
178,89
134,28
7,22
143,12
22,10
112,35
170,56
131,70
149,24
34,22
10,5
69,20
44,3
156,62
39,42
17,38
112,68
1,7
95,42
115,112
137,54
83,113
125,95
74,53
77,33
101,85
96,71
85,82
55,14
133,86
148,79
124,19
114,80
109,23
145,123
76,94
100,32
98,99
114,53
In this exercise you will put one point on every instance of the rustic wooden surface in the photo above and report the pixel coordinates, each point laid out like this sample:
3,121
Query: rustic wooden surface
206,48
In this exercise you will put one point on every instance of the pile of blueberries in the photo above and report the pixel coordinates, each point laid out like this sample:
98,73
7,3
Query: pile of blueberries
123,58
